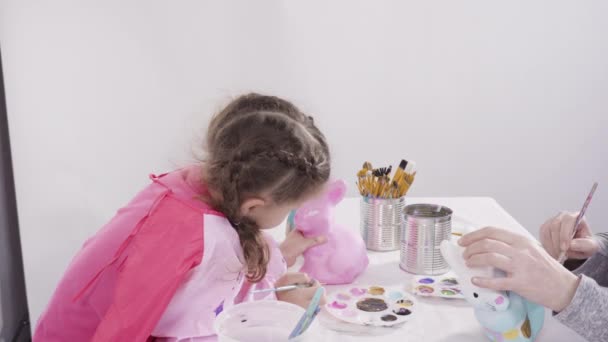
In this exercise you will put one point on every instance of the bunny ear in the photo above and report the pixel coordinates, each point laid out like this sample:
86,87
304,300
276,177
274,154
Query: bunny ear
336,191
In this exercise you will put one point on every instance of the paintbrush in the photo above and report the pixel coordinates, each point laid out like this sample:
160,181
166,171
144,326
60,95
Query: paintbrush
360,187
403,188
406,182
310,314
380,175
579,218
386,192
378,182
383,184
400,170
364,176
286,287
369,182
395,190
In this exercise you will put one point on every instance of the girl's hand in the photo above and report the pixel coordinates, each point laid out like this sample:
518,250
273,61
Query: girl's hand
301,296
556,236
295,244
528,266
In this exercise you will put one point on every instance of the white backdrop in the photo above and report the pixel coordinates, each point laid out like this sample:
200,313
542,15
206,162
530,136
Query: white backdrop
500,99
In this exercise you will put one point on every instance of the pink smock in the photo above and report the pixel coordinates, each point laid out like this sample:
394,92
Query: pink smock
164,267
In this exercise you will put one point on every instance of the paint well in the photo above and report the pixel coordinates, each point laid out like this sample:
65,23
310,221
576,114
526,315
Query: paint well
372,305
402,312
337,305
358,291
389,318
376,290
426,281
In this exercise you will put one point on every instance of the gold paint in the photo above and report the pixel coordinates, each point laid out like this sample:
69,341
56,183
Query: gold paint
376,290
526,329
511,334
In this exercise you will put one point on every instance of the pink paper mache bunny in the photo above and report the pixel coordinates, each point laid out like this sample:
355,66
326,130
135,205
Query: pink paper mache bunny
343,257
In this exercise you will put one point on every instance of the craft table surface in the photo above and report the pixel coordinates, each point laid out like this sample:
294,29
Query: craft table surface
447,320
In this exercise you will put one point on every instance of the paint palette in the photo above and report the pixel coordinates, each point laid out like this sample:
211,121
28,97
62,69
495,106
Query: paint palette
445,286
371,305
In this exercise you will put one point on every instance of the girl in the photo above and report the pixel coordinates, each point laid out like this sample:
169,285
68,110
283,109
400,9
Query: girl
190,244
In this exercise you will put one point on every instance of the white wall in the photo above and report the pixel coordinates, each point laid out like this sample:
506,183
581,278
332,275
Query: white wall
505,99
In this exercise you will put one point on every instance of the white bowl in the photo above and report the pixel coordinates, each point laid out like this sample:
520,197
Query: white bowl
265,320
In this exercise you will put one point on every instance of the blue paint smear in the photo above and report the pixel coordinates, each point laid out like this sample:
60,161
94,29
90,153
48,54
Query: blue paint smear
426,281
395,295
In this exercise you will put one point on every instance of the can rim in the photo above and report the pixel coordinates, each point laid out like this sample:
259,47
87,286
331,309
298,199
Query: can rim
427,211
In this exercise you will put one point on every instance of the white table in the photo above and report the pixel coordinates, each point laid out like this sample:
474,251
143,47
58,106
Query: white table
439,319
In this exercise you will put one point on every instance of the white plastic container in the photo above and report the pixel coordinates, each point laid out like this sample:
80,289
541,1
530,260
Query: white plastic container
265,320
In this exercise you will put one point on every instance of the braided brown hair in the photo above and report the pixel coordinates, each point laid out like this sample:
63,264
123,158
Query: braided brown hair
262,144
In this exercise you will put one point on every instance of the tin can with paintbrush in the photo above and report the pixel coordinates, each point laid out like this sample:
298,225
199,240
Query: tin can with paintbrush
381,222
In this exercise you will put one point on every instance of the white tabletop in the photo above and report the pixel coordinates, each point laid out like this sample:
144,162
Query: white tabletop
439,319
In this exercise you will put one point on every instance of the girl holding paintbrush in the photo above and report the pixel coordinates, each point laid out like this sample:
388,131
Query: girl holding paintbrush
191,243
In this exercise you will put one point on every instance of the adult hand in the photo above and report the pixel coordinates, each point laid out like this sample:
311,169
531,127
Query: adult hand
556,237
531,271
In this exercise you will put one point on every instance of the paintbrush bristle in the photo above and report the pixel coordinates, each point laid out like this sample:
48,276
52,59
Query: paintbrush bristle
411,167
378,183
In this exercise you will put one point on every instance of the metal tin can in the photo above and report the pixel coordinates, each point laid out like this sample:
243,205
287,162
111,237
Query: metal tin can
381,222
425,227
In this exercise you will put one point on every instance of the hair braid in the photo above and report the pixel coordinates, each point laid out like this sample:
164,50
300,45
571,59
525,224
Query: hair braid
249,233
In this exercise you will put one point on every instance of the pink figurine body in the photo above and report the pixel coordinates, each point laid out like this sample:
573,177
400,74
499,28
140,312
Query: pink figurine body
343,257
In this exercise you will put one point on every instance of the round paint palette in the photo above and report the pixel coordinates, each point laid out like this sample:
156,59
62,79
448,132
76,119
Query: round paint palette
371,305
445,286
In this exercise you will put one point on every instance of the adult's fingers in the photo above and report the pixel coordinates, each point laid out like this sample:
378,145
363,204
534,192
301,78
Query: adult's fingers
565,231
488,246
583,230
492,233
495,260
498,284
545,236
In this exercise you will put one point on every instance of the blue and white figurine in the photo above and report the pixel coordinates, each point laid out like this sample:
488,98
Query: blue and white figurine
505,316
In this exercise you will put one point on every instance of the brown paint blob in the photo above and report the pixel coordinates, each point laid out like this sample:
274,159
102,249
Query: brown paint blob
389,318
372,305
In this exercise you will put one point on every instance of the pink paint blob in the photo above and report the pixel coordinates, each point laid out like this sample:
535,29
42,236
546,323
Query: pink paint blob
425,289
338,305
358,292
343,296
499,300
